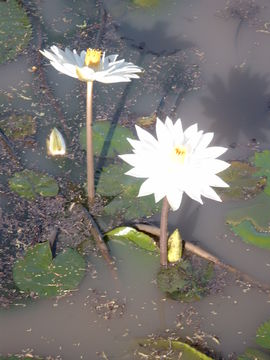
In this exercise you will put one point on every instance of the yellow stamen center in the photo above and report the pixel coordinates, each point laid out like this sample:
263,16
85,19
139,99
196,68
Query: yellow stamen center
92,57
179,154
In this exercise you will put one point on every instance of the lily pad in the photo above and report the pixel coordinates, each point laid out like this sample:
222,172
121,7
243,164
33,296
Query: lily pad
253,354
251,236
40,273
242,180
256,210
183,350
141,239
262,160
116,143
17,127
263,335
123,191
30,184
15,30
185,283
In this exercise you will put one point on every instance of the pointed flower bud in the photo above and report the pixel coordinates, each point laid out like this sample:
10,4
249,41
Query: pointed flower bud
56,144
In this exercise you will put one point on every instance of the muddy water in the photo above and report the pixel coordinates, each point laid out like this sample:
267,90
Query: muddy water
222,83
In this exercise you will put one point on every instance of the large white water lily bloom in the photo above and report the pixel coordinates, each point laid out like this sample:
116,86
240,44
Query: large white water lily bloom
176,162
91,65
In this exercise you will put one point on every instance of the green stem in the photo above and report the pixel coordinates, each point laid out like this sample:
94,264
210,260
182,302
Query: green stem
163,240
89,145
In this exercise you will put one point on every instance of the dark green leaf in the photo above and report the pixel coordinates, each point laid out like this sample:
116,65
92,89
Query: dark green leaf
243,183
262,160
30,184
253,354
15,30
263,335
17,127
40,273
115,143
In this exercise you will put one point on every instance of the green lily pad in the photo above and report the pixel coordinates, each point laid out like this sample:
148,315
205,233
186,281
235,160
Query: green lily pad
15,30
30,184
242,180
184,282
117,143
256,210
141,239
124,189
251,236
17,127
253,354
40,273
183,350
263,335
262,160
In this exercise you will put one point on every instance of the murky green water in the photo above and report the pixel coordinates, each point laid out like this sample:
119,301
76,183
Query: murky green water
205,61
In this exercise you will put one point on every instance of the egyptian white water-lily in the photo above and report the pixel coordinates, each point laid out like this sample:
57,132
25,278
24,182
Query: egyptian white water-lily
176,162
56,144
91,65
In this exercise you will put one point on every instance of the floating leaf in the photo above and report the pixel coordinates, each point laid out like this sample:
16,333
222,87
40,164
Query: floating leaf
262,160
185,351
251,236
40,273
253,354
175,246
185,282
139,238
243,183
146,121
256,210
15,30
263,335
114,183
115,144
30,184
17,127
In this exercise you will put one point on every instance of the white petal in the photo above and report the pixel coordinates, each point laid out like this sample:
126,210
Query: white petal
211,152
62,69
215,165
163,134
191,131
205,141
145,136
174,199
194,193
216,181
208,192
146,188
131,159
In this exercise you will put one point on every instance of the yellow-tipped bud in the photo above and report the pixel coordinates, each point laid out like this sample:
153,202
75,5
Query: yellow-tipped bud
175,247
56,144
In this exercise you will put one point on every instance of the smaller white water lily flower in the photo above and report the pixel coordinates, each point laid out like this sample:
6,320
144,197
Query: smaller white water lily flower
91,65
56,144
176,162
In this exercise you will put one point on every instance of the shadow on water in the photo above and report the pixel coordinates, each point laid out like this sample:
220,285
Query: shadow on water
147,39
239,107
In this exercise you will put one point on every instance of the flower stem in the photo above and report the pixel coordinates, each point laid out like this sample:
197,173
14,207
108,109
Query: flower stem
163,233
89,144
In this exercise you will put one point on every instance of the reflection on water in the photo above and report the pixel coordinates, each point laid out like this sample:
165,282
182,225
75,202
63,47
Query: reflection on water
207,62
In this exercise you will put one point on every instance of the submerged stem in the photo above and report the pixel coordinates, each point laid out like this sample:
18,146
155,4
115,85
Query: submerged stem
163,233
89,144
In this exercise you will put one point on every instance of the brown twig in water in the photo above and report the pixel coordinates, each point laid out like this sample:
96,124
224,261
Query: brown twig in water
8,145
98,237
194,249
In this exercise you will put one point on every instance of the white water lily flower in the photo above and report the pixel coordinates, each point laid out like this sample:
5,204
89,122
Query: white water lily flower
56,144
176,162
91,65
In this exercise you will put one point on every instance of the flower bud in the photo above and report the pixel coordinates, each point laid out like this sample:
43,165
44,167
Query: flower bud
56,144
